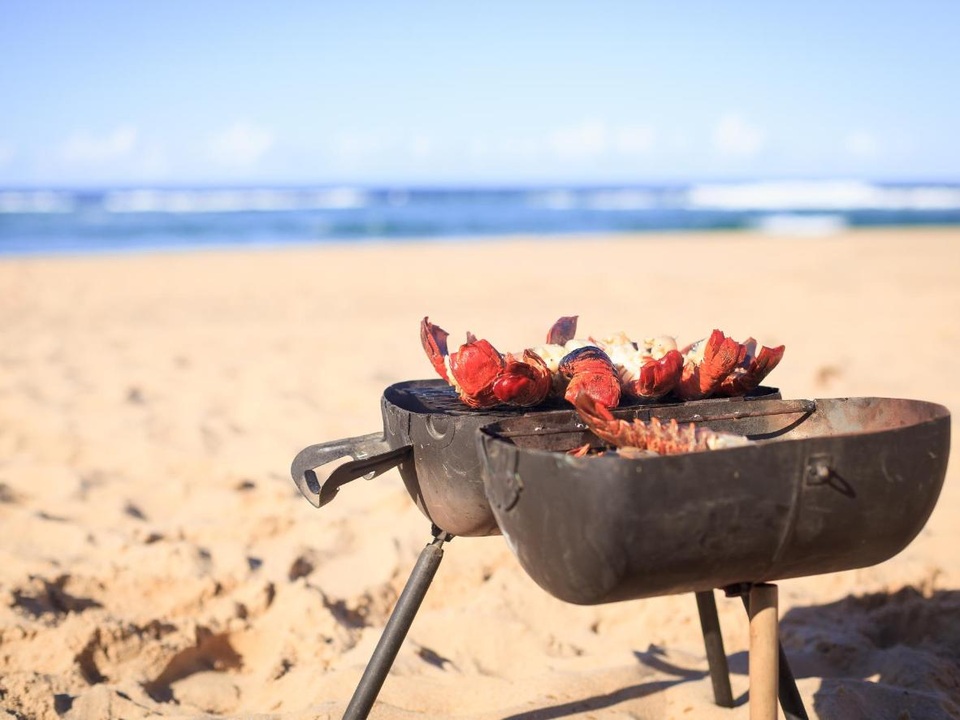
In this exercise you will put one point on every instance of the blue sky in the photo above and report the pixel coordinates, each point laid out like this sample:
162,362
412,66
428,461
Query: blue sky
119,93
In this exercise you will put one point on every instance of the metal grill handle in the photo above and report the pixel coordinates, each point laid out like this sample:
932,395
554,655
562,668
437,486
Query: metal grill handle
371,456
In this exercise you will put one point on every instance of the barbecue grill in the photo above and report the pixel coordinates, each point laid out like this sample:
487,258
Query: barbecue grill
430,436
827,485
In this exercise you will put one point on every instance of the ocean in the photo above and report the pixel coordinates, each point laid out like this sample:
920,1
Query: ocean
65,221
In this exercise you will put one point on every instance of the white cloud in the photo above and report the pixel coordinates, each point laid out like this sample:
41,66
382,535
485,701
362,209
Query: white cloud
735,137
357,145
84,148
524,147
634,140
481,149
120,155
151,161
861,144
594,138
421,147
586,140
241,145
679,142
478,148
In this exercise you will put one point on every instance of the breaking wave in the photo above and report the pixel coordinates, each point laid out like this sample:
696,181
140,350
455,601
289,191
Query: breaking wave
64,220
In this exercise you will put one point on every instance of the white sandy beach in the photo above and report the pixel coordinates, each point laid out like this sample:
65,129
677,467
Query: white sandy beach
157,560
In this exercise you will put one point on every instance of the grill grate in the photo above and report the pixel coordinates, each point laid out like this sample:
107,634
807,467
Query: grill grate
437,397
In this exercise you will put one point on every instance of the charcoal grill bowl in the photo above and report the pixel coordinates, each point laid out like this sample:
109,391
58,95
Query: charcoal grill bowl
430,436
443,474
442,471
829,485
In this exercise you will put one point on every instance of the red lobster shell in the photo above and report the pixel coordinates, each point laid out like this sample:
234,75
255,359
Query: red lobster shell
638,437
483,377
604,369
719,365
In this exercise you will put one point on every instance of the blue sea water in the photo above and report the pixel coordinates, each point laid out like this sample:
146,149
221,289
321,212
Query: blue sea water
55,221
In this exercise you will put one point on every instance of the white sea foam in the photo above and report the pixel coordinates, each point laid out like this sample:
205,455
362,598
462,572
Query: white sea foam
621,199
626,199
226,201
820,195
791,225
554,199
35,201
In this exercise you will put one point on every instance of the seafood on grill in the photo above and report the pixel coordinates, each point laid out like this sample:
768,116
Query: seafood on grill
484,377
605,368
705,364
638,438
647,369
753,365
578,365
719,365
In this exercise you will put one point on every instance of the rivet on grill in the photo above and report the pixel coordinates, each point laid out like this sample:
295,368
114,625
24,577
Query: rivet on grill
818,470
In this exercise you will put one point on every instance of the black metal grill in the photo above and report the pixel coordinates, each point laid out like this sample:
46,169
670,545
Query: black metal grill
455,460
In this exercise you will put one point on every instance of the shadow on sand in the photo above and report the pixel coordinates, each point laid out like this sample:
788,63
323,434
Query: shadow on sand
884,656
652,658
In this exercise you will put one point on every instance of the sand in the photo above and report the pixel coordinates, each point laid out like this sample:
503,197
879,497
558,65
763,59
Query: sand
157,560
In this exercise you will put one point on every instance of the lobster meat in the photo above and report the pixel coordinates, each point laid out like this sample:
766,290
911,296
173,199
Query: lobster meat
719,365
753,365
483,377
639,438
647,370
605,369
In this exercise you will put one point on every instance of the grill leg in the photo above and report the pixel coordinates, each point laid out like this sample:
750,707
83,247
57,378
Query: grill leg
764,641
790,701
713,642
396,629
